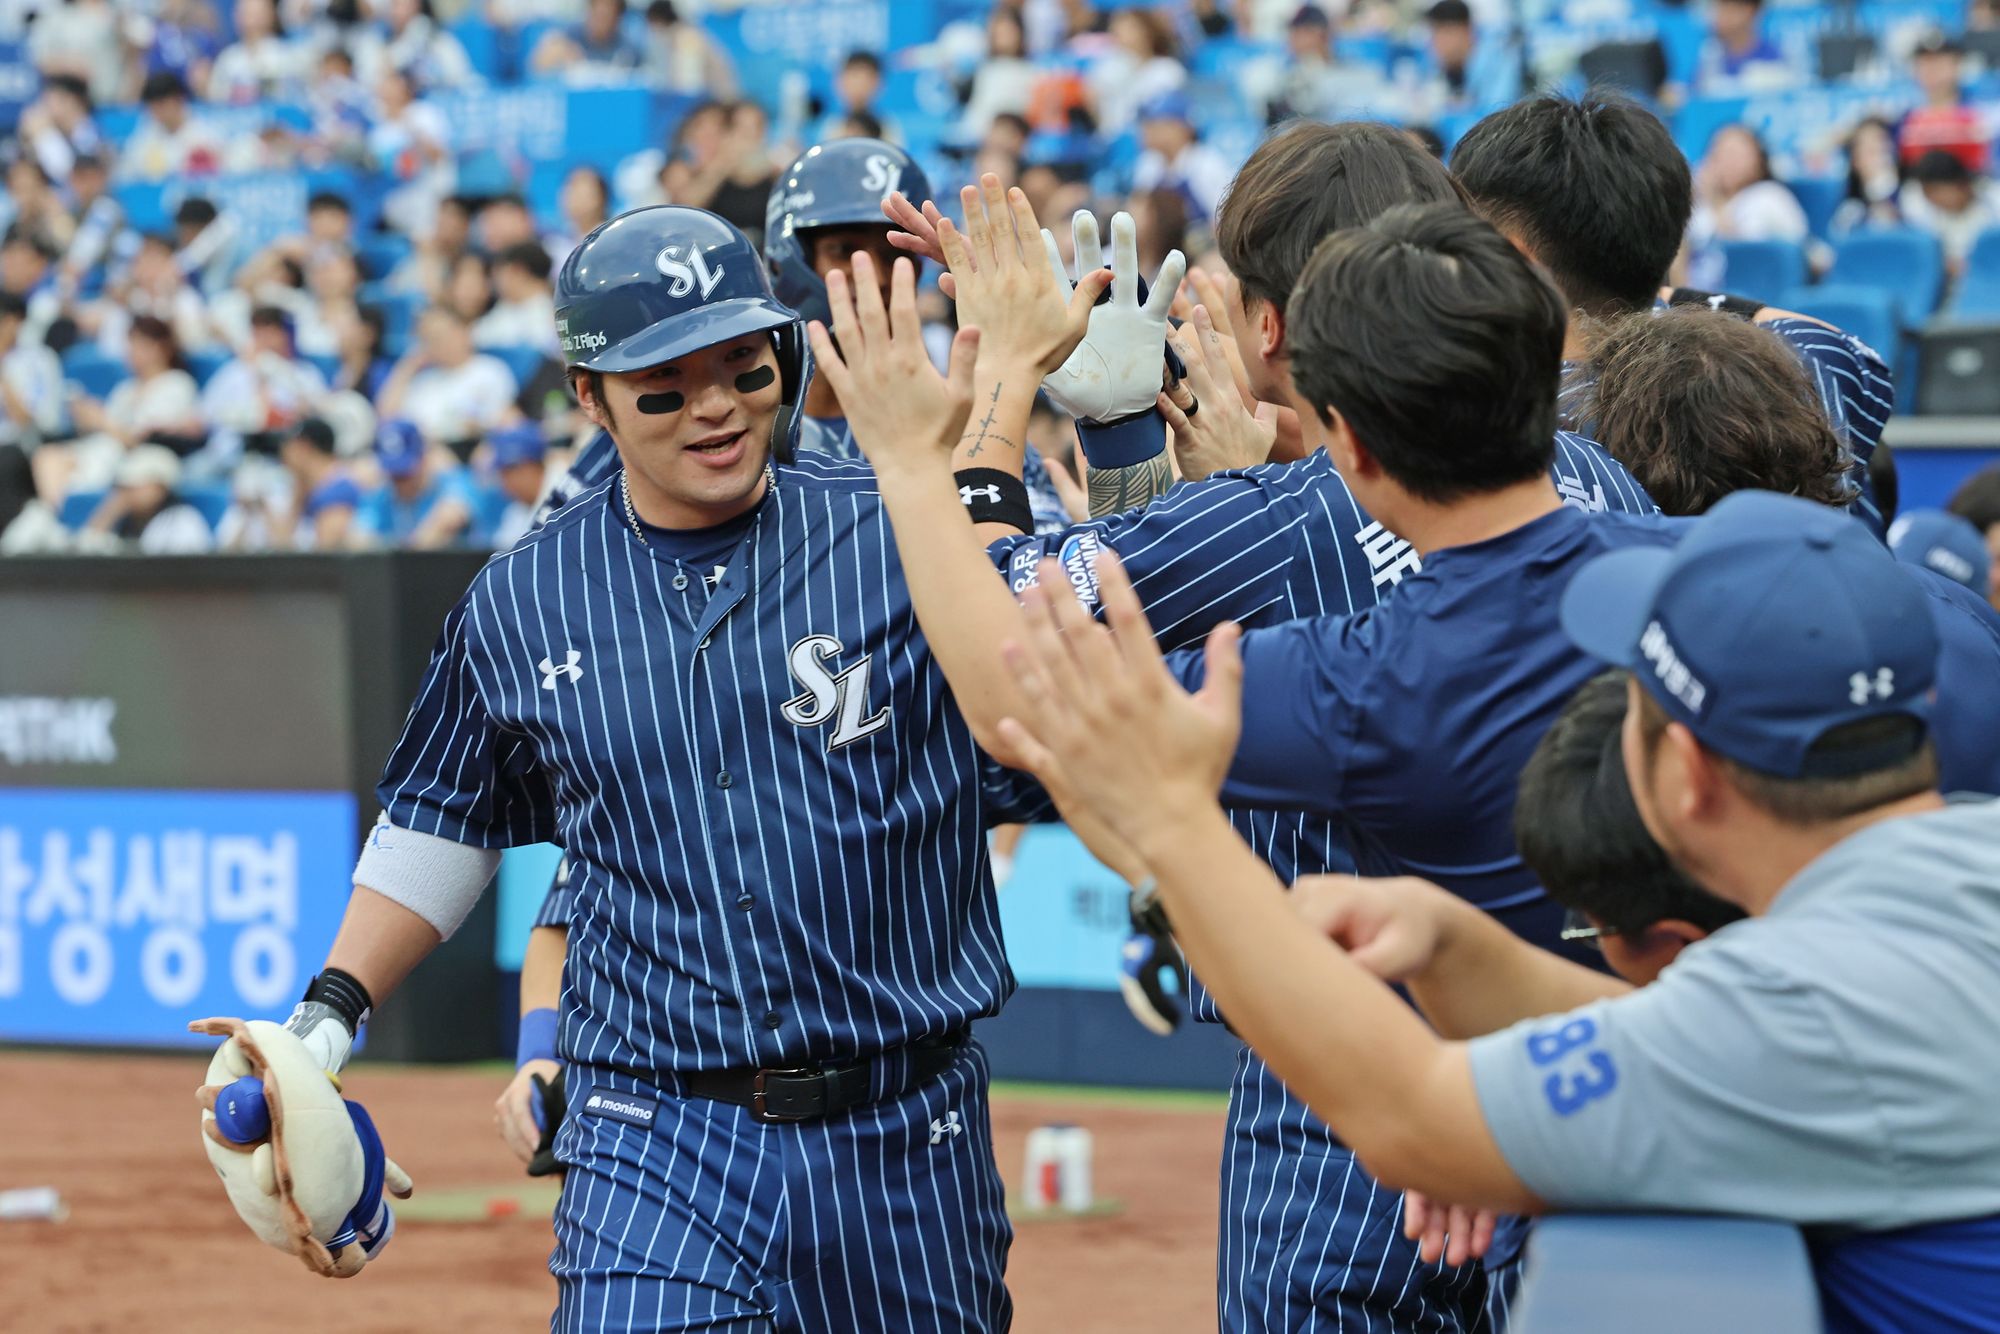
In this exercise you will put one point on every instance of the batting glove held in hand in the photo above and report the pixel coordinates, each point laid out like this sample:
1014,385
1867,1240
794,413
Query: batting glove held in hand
1116,370
1149,957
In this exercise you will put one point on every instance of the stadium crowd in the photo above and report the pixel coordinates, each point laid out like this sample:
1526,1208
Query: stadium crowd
156,375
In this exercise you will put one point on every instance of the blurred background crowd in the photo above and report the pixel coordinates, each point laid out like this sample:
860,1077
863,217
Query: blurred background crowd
240,237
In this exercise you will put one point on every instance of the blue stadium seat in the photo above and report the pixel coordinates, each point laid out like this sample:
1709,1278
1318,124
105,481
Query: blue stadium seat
399,314
1819,196
328,365
379,253
1902,261
1867,312
92,371
481,43
522,361
1762,269
1977,295
78,506
211,498
204,365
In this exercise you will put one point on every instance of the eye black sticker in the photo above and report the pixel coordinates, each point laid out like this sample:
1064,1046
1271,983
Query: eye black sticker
658,405
751,381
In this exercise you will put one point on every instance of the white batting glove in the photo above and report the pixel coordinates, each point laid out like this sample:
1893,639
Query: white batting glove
1115,371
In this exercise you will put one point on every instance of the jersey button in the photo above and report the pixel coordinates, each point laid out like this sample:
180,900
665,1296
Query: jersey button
723,779
680,582
772,1019
746,901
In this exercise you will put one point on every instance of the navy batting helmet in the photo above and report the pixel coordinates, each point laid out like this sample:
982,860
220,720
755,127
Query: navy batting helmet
658,283
837,184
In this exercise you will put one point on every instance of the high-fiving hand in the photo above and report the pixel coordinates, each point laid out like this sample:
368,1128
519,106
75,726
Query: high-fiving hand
1027,314
1115,372
901,411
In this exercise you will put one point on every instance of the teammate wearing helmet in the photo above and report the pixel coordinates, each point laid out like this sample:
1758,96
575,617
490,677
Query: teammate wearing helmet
825,208
703,679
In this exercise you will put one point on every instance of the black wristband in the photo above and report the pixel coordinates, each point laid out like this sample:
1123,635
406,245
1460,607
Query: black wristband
993,496
343,994
1742,307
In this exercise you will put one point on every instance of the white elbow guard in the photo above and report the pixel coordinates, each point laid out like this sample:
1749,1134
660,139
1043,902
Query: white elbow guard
433,877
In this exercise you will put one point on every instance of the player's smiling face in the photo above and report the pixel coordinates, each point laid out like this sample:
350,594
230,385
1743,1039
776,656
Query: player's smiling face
694,433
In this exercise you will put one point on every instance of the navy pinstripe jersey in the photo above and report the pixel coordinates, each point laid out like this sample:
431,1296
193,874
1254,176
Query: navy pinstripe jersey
831,436
772,807
1271,544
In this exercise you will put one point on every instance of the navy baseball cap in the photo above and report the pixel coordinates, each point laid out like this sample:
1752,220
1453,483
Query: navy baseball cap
399,447
1773,622
520,443
1942,541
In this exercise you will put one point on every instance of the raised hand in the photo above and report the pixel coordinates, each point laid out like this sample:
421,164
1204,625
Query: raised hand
1212,430
1115,372
1028,318
1112,733
901,411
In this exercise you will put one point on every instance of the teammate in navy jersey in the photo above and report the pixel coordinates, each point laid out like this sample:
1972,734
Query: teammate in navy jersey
703,679
1597,191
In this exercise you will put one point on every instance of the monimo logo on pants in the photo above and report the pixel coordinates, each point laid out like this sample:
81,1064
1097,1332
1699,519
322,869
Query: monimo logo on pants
626,1107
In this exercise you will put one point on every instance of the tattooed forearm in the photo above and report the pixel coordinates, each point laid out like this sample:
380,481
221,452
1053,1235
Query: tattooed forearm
981,432
1116,489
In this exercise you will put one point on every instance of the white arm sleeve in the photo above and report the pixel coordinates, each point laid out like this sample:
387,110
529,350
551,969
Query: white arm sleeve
433,877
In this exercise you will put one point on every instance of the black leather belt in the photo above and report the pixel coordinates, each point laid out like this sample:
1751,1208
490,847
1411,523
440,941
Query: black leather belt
806,1093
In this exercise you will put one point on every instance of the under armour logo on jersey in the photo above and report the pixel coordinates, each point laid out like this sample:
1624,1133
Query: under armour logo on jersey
841,700
687,265
1574,492
1861,686
968,494
569,668
949,1125
1389,556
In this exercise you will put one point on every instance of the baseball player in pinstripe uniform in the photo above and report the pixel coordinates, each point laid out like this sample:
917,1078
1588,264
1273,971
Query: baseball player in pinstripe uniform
703,679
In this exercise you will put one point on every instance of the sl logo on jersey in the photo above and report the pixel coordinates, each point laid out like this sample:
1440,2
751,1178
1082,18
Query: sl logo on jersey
687,265
840,699
567,669
882,175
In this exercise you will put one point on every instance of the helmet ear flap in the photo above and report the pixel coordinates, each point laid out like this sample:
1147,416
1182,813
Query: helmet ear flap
788,341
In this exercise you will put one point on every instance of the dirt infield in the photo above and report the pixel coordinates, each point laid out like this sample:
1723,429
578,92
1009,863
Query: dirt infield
152,1245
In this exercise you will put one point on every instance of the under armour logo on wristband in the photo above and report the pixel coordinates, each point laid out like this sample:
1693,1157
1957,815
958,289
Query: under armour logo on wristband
969,494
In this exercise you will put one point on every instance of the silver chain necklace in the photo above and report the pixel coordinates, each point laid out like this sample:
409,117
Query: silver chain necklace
632,515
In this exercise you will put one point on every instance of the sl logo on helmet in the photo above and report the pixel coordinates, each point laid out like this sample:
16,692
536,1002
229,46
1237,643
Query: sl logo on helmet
686,266
882,176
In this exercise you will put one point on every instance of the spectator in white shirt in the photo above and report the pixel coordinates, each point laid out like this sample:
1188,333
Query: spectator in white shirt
415,44
452,392
100,221
597,50
57,126
31,381
586,205
411,142
1176,159
158,404
1005,80
171,140
1944,198
681,57
1141,67
27,270
144,511
152,285
1737,199
525,313
262,64
255,399
79,37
